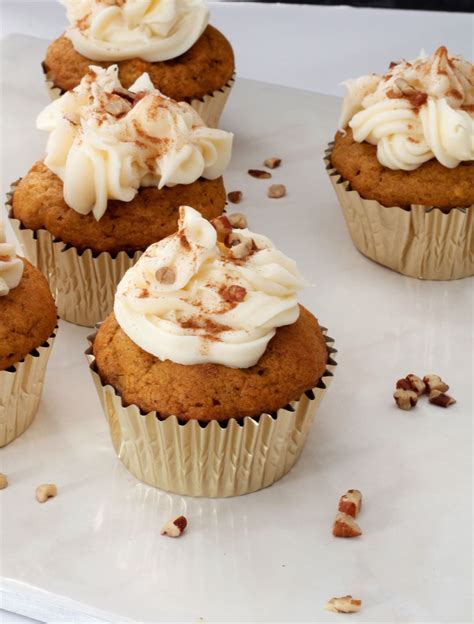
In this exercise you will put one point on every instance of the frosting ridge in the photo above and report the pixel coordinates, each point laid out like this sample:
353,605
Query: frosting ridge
193,299
106,142
417,111
153,30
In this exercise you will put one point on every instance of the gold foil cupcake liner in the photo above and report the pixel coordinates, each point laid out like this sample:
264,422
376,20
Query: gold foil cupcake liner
419,241
209,107
83,284
212,459
21,387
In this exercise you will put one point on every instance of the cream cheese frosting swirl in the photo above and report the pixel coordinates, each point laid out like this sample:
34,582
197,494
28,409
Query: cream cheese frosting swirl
419,110
153,30
188,299
106,142
11,267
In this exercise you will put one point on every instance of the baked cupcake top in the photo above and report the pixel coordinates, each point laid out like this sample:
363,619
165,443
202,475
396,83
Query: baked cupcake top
11,267
152,30
417,111
106,142
208,294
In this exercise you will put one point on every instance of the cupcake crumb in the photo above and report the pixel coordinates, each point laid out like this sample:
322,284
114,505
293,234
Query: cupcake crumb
3,481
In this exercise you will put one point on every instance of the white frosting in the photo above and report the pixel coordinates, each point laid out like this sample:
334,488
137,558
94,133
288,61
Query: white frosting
188,318
153,30
106,142
11,267
418,111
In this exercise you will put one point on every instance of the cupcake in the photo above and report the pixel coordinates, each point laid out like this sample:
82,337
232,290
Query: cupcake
27,329
119,163
402,166
208,370
186,59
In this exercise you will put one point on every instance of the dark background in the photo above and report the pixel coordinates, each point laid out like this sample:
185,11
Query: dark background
466,6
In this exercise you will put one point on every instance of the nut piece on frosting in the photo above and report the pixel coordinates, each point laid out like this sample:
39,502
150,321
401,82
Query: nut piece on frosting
417,111
11,267
209,293
106,142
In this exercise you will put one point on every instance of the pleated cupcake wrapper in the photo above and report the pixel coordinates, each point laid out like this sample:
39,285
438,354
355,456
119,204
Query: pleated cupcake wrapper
213,460
83,284
209,107
420,241
21,386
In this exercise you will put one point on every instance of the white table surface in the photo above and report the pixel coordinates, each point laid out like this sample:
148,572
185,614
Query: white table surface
322,46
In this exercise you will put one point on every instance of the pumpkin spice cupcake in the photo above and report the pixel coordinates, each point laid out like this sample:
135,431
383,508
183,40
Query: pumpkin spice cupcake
402,165
119,164
209,370
27,329
186,58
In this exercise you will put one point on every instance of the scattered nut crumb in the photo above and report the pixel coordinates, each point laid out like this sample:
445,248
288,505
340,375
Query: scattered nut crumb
434,382
258,173
235,197
175,527
345,526
223,227
45,491
276,191
440,398
272,163
234,293
345,604
417,384
240,249
165,275
350,502
3,481
405,399
237,220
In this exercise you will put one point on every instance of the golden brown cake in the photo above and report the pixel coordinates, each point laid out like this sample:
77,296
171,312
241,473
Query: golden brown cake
431,184
206,67
27,317
293,362
151,215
